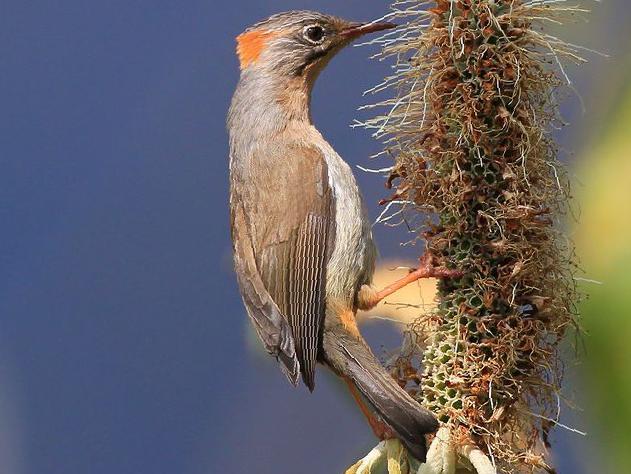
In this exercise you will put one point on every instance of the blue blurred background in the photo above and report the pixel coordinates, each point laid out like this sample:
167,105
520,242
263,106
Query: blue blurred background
123,342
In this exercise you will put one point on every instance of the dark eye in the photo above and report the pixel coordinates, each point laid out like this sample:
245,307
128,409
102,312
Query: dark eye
314,34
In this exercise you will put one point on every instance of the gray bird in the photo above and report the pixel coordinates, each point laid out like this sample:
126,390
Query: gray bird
303,249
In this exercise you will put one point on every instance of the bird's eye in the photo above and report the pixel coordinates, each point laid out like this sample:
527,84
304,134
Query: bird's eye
314,34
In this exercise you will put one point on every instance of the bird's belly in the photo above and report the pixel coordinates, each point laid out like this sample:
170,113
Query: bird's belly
352,260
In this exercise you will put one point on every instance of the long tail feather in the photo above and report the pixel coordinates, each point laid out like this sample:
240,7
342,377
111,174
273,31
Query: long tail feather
351,358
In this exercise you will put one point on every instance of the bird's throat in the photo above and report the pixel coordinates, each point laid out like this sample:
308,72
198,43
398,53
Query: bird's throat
294,99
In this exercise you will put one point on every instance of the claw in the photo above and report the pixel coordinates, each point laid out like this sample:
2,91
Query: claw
429,269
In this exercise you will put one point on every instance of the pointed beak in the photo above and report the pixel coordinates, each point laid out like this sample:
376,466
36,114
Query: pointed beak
361,29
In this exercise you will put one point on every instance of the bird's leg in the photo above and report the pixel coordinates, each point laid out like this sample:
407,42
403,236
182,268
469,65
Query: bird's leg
368,297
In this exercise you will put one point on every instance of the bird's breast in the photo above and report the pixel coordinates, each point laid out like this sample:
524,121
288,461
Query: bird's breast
352,261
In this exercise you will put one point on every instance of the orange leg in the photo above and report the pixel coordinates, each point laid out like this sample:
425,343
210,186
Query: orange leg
381,430
368,298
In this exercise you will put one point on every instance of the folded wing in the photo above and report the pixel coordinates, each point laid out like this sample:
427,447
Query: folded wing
282,232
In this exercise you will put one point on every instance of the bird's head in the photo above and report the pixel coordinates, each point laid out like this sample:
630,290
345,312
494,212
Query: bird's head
298,43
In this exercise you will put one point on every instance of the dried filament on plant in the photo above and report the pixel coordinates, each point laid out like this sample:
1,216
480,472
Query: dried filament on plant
469,129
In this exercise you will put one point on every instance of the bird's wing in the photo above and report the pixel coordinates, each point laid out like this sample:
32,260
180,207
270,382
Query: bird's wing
282,228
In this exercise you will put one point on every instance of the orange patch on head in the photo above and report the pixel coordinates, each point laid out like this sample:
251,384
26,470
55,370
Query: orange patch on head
251,44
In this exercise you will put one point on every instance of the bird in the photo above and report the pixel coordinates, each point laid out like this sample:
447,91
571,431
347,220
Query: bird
303,249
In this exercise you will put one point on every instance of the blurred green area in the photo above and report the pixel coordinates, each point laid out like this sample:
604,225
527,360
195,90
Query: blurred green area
603,237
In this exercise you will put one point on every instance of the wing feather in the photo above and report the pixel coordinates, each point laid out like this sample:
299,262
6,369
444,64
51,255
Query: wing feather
270,324
306,304
289,212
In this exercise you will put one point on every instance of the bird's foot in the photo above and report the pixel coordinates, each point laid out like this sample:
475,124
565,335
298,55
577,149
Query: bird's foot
368,297
428,269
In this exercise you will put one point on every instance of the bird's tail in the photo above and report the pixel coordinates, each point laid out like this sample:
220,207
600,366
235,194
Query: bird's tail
353,360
